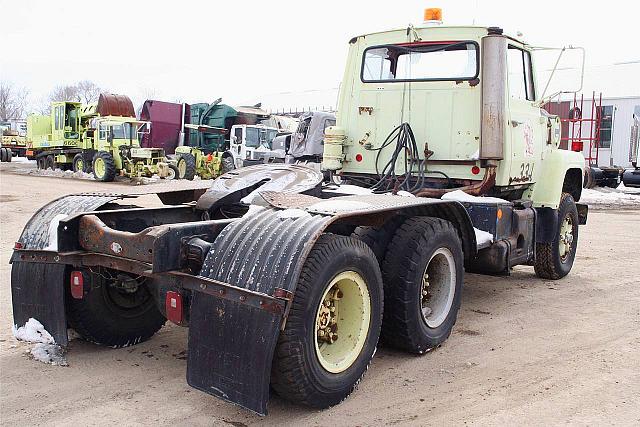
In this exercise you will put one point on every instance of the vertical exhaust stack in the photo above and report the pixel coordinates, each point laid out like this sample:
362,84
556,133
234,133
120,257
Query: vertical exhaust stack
494,89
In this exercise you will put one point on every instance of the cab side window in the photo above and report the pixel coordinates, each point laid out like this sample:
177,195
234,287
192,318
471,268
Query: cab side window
520,74
238,135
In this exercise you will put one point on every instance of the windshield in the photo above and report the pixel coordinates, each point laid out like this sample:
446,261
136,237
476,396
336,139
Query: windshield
258,136
420,61
120,131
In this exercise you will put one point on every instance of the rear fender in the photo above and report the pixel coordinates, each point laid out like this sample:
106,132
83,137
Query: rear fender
231,346
37,289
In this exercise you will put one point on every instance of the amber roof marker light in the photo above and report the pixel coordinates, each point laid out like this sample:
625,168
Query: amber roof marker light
433,15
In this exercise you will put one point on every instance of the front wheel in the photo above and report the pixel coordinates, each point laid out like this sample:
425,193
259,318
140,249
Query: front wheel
554,260
104,167
423,274
333,326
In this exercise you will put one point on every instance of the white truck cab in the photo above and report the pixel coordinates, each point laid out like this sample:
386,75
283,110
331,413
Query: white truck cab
251,144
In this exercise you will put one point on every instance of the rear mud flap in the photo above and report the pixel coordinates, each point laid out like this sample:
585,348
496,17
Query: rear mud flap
37,290
231,347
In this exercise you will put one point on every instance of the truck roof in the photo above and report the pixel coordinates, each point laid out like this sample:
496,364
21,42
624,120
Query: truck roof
420,28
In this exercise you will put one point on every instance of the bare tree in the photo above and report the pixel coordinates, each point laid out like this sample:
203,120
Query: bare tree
88,91
13,101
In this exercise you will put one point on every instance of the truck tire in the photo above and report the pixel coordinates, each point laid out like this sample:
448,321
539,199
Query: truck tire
340,273
3,154
8,155
554,260
104,167
378,238
49,163
41,163
112,316
79,163
186,166
227,164
423,272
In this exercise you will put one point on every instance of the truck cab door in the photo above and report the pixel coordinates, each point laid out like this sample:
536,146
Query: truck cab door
237,144
527,126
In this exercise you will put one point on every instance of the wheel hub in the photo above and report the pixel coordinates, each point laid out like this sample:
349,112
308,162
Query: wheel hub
565,240
345,307
438,287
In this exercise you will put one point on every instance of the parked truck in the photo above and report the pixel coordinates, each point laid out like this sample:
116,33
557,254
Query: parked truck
12,139
281,277
102,138
209,139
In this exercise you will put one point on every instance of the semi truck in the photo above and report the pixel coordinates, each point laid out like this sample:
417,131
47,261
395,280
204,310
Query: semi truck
102,138
287,281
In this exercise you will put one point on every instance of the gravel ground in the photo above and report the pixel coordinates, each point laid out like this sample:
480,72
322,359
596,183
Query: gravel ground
524,350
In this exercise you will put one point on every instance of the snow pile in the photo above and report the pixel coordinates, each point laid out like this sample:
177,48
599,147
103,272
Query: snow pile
59,173
46,350
615,197
483,238
461,196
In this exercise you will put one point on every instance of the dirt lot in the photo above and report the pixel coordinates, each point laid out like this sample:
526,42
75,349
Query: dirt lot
524,350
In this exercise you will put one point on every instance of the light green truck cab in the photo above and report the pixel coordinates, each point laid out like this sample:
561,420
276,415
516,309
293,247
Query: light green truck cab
470,96
61,128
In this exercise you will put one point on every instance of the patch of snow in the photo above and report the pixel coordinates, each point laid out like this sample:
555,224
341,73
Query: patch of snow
59,173
353,190
53,233
337,205
253,209
403,193
22,160
32,331
605,196
476,155
49,353
461,196
46,350
483,238
293,213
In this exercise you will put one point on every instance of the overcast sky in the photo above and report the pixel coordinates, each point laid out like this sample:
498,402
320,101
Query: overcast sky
246,51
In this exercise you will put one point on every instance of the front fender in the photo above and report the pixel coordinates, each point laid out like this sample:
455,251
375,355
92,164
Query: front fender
547,190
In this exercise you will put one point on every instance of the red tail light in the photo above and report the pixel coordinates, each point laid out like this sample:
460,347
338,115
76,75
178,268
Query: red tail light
77,284
173,306
17,245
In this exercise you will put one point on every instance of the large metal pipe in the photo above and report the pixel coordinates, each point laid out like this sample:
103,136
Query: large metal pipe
494,97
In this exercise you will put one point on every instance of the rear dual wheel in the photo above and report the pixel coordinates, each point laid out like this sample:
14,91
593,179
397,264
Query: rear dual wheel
116,309
423,274
5,154
333,326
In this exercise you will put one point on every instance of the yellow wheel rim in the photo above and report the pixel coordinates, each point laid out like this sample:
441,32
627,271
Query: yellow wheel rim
565,241
99,167
182,167
342,322
80,165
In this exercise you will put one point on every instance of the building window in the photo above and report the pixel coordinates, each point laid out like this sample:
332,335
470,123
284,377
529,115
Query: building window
605,117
